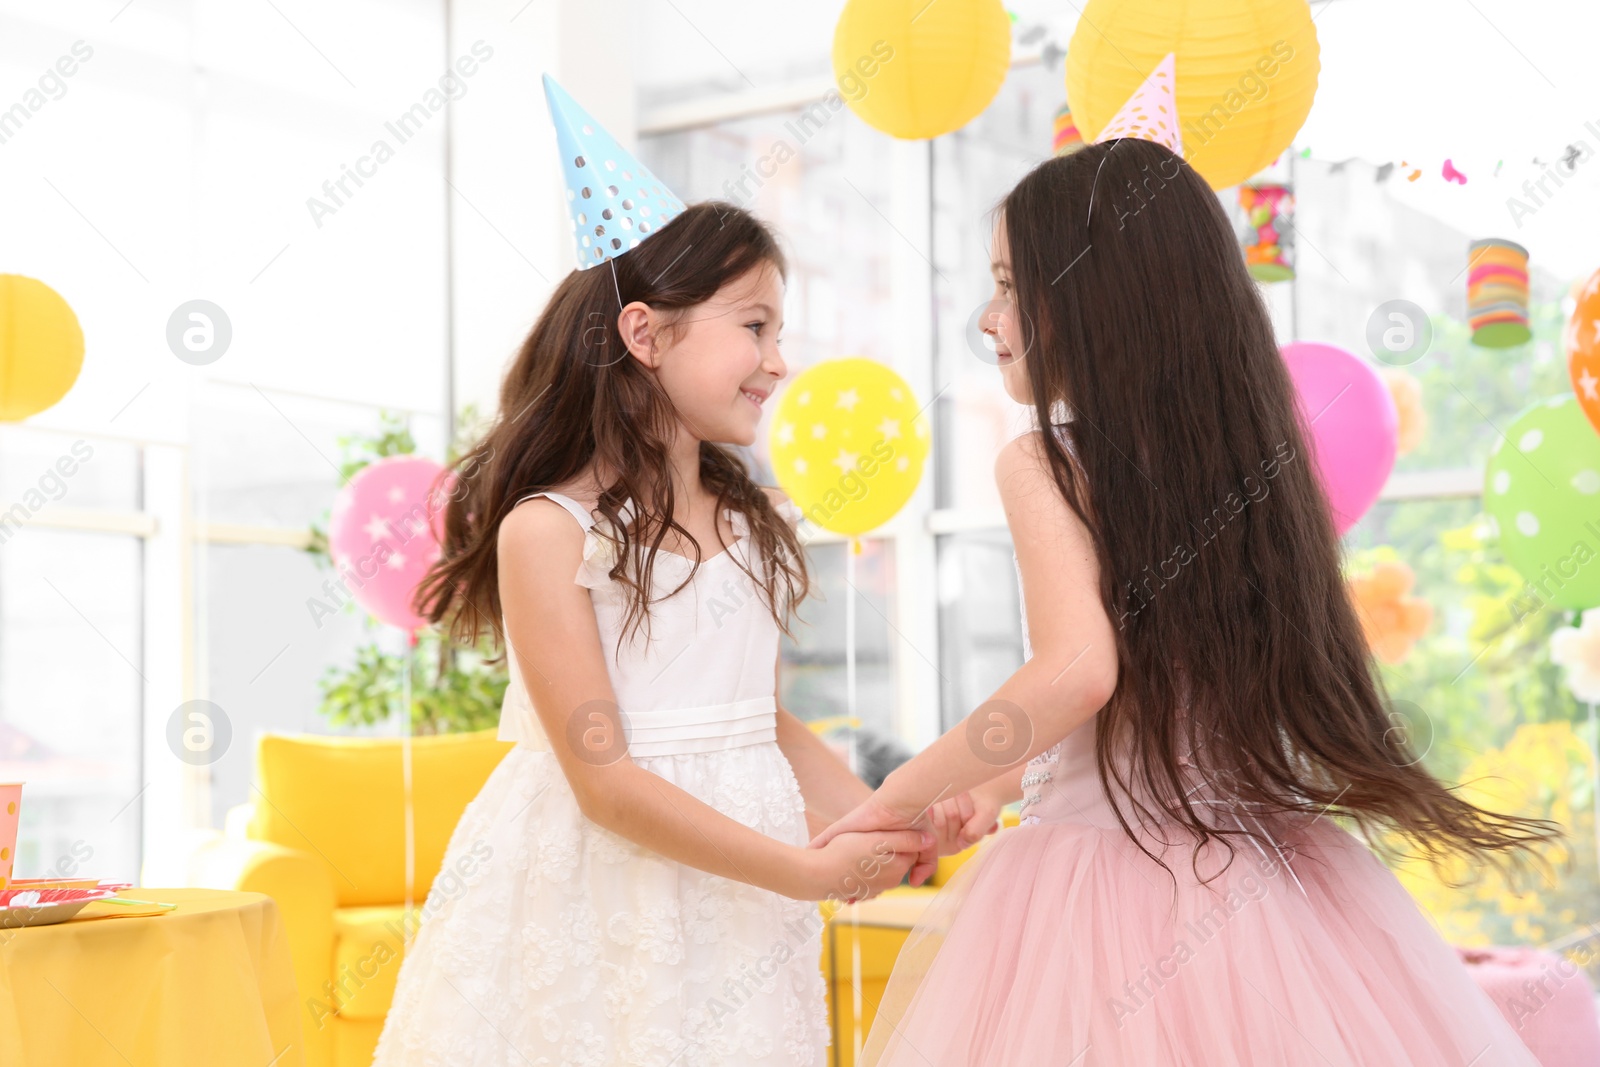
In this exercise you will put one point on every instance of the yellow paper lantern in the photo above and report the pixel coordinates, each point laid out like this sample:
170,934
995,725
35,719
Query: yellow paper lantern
915,69
41,347
1246,74
848,444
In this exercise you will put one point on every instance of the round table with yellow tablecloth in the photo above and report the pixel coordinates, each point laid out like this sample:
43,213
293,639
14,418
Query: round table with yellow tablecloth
208,984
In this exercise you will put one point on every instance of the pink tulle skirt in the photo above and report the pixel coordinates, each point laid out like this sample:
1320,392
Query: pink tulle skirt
1062,944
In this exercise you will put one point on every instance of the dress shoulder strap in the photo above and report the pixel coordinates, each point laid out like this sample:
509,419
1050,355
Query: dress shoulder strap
575,509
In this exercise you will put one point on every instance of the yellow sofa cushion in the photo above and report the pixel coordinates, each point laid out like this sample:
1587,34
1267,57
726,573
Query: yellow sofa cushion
341,800
368,944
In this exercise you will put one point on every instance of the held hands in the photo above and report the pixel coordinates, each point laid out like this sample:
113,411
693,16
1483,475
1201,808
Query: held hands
859,866
954,824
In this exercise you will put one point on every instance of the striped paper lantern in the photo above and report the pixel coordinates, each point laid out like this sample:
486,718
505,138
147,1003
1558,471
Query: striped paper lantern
1065,138
1497,293
1268,239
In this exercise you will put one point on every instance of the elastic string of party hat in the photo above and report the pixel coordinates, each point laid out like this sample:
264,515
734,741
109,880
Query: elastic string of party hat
613,261
1096,183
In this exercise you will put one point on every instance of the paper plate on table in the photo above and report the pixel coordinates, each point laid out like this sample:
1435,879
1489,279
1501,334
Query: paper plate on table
67,883
41,907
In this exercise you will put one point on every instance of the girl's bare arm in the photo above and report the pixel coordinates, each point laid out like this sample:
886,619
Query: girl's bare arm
828,786
551,629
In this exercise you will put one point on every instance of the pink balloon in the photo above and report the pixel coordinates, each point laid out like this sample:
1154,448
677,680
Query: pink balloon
1353,423
384,534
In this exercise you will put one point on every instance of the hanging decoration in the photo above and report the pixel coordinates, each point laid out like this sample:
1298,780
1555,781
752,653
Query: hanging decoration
1583,349
1391,618
1497,293
1268,243
1540,488
918,71
1412,419
41,347
1065,138
1246,73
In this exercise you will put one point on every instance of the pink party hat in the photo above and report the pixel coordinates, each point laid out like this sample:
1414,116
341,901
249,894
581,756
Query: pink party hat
1151,113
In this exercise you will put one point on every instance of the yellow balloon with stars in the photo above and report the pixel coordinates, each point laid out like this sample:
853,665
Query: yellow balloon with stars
848,444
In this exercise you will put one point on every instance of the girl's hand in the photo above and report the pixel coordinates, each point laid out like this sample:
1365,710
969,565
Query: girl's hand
872,814
962,821
859,866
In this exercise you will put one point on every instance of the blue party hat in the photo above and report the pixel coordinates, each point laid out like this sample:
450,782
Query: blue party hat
614,200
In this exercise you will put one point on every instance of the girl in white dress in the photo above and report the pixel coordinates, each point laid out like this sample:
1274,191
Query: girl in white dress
640,879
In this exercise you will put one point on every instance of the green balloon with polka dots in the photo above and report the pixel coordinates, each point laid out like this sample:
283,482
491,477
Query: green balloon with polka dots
1542,492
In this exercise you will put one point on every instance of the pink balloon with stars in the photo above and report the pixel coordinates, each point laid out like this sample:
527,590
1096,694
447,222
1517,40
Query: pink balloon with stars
384,534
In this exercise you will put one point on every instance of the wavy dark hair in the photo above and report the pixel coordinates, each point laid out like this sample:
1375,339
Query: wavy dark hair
574,398
1190,466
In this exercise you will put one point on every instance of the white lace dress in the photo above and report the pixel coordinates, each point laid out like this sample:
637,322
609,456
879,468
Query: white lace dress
566,945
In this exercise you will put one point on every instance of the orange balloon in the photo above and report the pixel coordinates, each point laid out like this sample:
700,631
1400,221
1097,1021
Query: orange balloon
1583,350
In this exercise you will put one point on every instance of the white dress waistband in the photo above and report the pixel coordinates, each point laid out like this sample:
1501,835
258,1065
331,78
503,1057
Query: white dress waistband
681,731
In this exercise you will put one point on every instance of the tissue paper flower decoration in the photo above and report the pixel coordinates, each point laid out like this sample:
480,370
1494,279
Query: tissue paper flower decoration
1391,618
1577,648
1407,393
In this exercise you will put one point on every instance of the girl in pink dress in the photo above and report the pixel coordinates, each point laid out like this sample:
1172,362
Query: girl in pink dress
1198,736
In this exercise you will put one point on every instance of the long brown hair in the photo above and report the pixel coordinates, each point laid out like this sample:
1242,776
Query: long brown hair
574,397
1190,467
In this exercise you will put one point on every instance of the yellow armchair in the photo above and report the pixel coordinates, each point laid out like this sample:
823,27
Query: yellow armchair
325,838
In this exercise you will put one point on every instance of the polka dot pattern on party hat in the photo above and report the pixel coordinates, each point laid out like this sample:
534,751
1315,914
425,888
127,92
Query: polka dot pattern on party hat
1151,113
614,200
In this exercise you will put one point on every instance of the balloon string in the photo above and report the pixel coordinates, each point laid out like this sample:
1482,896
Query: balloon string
850,644
1594,733
405,773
